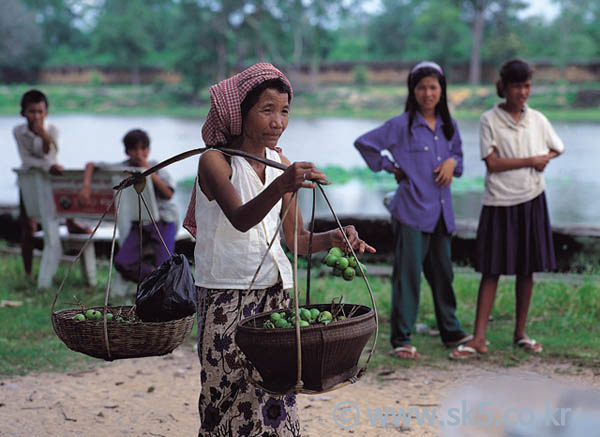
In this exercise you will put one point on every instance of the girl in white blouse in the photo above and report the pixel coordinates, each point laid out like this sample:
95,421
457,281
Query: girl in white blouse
514,236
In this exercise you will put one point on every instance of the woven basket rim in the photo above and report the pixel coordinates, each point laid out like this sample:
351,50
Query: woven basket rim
56,315
242,324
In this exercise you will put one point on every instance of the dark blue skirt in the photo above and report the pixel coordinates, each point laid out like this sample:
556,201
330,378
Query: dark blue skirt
515,239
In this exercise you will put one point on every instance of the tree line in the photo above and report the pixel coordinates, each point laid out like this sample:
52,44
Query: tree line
205,40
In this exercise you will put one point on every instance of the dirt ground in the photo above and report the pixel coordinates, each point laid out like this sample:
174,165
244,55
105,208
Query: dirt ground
157,397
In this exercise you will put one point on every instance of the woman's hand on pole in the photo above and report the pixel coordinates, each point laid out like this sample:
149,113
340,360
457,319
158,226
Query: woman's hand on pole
298,175
337,240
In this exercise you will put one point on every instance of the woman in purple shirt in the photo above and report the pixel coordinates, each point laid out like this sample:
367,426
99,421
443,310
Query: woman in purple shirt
426,152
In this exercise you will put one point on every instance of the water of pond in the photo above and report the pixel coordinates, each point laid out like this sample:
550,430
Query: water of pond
573,188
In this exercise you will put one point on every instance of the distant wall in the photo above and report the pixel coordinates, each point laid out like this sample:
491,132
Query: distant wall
377,72
104,75
396,72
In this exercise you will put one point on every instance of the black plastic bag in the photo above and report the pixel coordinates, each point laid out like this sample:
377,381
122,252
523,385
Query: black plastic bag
168,293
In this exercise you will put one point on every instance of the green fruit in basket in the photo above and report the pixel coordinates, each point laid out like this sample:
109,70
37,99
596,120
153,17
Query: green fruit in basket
352,262
120,319
281,323
97,315
305,314
314,313
79,317
109,316
331,259
336,251
340,318
90,314
336,272
303,323
342,263
349,273
275,316
325,317
268,325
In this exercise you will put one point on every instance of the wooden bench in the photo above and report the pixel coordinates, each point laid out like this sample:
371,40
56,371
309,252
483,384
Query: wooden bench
52,199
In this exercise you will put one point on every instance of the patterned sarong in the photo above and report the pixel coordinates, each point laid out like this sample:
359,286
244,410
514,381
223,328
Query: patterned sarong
229,404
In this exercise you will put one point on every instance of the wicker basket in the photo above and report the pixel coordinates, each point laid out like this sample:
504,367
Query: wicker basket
125,339
330,353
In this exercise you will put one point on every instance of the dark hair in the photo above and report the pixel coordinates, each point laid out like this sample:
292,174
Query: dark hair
254,94
441,108
33,96
513,71
134,137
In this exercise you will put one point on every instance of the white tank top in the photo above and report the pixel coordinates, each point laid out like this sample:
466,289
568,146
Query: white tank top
226,258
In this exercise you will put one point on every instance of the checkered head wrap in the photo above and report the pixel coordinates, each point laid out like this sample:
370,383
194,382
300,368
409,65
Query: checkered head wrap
224,119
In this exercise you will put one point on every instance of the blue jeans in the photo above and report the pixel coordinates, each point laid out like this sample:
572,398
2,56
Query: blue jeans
127,259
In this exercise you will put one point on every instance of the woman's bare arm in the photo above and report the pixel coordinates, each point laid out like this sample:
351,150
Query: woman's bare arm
213,176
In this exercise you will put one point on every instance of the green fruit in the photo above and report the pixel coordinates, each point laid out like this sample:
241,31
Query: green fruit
336,272
352,262
314,313
331,259
109,316
275,316
340,318
325,317
364,267
336,251
304,323
281,323
120,319
79,317
349,273
342,263
90,314
305,314
268,325
97,315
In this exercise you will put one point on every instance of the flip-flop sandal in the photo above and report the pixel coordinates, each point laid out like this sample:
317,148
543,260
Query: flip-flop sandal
529,345
463,340
463,352
408,349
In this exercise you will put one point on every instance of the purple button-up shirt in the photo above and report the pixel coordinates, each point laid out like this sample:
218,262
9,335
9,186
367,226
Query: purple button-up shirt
418,201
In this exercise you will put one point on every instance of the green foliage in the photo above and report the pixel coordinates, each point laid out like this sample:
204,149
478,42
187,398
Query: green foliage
206,40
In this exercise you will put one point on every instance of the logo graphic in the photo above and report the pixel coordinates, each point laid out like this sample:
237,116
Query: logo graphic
346,415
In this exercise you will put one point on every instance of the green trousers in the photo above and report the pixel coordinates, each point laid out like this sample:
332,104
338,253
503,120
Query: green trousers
415,252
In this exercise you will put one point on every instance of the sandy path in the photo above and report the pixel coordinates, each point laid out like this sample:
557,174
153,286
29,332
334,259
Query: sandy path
157,397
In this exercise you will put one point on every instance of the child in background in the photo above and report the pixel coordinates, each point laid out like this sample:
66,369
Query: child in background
37,142
137,148
514,236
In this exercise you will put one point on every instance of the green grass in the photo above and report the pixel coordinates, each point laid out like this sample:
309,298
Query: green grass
564,316
27,340
556,101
